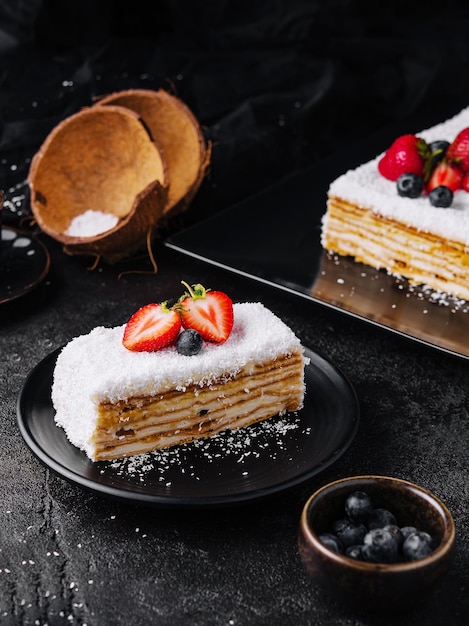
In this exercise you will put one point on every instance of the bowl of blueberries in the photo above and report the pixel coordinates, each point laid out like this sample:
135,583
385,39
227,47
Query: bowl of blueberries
376,542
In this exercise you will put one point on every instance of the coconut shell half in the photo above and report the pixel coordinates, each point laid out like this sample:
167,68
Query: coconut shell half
178,133
100,159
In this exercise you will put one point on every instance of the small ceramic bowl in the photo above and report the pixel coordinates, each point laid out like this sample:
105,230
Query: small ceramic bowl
371,586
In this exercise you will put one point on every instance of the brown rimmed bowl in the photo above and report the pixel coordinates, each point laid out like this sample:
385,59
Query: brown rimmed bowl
376,586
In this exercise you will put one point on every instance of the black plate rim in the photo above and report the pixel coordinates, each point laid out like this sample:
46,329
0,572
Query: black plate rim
29,286
182,502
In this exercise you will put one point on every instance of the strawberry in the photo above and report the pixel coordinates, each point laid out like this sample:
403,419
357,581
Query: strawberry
447,175
210,313
407,155
465,182
458,151
151,328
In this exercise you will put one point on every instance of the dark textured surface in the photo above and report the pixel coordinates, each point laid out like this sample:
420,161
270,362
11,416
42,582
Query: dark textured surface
67,552
276,88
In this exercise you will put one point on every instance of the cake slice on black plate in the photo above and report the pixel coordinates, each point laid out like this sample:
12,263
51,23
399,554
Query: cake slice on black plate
172,375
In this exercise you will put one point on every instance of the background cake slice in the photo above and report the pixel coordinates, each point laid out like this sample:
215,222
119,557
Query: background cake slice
113,402
368,220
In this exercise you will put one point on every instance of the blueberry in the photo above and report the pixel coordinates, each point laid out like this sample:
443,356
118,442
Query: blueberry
379,518
417,546
409,185
331,541
349,533
438,150
339,525
380,546
396,533
189,342
355,552
358,506
407,530
441,196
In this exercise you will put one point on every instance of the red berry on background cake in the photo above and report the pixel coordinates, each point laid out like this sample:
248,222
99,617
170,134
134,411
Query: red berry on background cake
407,155
458,151
446,175
210,313
152,327
465,182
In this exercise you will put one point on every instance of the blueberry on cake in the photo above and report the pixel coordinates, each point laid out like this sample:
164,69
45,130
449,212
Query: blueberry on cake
175,374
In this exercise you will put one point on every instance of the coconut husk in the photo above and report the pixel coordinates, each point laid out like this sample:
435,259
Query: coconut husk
178,133
103,159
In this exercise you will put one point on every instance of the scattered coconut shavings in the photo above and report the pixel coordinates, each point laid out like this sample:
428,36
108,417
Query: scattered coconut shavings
264,440
91,223
421,292
440,298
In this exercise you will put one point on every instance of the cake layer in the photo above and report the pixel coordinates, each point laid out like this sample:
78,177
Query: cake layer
148,423
112,401
368,220
383,243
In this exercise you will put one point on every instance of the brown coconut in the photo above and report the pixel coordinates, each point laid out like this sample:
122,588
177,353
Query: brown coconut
172,124
104,159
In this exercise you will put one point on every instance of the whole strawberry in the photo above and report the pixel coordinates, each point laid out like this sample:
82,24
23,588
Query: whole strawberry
408,154
458,151
210,313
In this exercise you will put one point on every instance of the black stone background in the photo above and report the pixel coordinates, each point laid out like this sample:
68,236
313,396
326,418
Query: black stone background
277,86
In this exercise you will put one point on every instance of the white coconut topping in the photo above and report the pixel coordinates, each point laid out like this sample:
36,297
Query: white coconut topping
97,367
91,223
365,187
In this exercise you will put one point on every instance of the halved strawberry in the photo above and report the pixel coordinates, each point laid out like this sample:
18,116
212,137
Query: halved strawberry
447,175
458,151
151,328
208,312
408,154
465,182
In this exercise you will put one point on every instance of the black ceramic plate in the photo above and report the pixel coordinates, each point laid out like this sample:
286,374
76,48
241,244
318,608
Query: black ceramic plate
231,468
24,264
274,237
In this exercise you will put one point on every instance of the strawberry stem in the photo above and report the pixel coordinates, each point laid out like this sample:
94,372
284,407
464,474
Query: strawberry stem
165,307
196,292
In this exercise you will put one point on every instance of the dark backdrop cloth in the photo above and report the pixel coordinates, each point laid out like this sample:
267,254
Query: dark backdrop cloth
276,84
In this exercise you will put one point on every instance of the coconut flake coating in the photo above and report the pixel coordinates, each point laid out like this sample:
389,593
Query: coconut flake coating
96,367
365,187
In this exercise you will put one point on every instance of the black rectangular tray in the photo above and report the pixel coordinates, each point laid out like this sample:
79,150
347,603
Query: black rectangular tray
274,237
